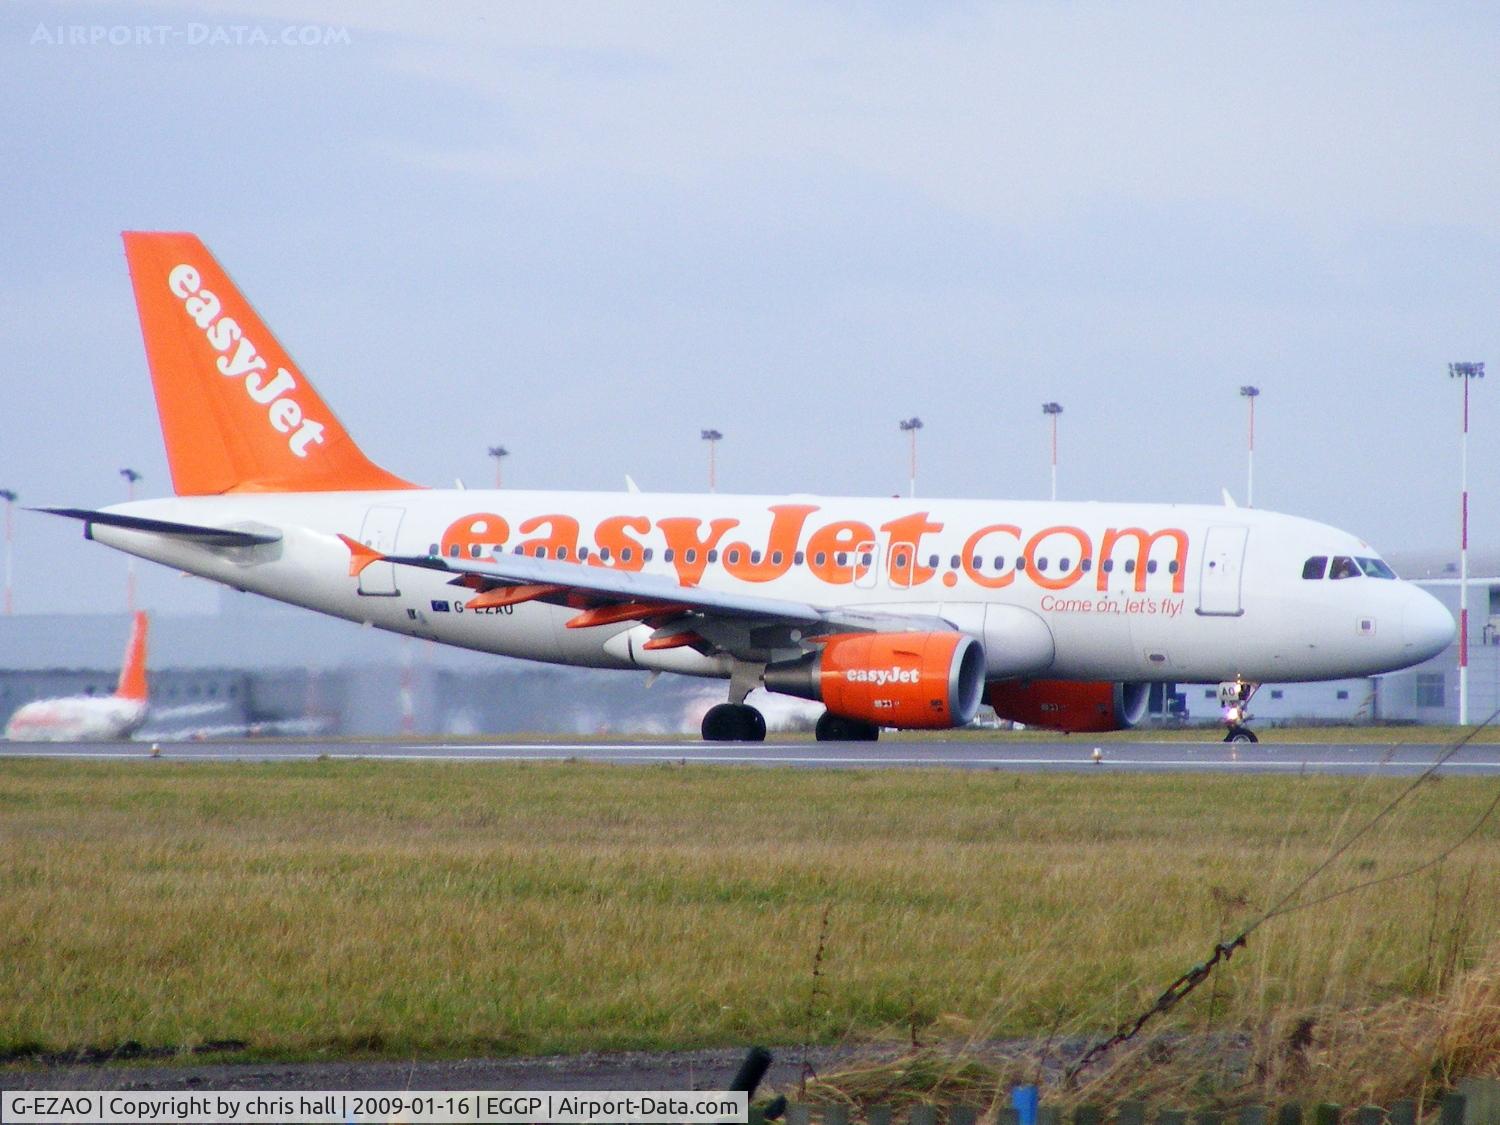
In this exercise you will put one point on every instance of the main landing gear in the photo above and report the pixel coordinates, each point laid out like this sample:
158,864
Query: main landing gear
734,722
1234,697
836,728
737,721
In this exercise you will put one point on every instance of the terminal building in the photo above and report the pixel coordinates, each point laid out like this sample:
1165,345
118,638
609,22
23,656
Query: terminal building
259,666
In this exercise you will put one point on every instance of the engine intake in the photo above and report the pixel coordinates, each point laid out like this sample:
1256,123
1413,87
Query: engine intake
928,681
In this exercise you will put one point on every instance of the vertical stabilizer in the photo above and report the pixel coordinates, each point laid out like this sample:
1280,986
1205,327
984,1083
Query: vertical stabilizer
236,413
133,674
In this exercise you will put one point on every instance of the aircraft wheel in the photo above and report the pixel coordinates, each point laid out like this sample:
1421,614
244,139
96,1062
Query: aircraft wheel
734,722
1240,734
836,728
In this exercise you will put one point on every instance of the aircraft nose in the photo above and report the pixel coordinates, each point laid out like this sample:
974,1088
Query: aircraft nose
1426,625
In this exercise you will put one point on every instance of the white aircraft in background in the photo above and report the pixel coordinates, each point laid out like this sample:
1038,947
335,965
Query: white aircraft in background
91,718
889,612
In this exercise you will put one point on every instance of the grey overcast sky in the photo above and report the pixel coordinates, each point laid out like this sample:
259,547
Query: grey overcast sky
587,231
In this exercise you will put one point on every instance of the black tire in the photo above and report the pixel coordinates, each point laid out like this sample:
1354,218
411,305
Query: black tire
1240,734
734,722
836,728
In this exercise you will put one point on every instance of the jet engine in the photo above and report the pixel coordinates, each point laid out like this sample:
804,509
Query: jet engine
908,680
1067,706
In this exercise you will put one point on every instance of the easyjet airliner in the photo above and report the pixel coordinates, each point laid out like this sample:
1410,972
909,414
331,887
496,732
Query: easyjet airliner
91,718
891,613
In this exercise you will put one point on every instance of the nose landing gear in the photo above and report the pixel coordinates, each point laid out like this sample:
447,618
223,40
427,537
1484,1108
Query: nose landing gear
1234,697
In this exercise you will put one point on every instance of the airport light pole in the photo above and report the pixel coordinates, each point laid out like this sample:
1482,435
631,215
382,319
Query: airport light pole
131,476
713,437
1052,410
1251,394
499,453
10,498
1464,372
910,426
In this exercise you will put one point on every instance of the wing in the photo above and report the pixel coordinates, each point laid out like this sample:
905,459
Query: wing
747,626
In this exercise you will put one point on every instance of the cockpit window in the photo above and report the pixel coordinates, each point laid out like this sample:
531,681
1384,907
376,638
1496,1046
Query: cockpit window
1343,567
1375,568
1315,567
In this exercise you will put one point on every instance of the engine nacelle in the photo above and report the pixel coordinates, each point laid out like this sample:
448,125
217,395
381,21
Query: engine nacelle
911,680
1067,706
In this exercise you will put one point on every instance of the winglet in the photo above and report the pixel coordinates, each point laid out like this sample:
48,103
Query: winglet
360,556
132,683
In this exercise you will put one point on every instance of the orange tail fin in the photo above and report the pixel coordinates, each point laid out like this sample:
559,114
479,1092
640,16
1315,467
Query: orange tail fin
133,675
236,413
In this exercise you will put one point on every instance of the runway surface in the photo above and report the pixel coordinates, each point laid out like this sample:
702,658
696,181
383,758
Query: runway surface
1062,754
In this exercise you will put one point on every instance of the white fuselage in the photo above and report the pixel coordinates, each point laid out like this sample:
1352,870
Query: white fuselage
81,718
1105,591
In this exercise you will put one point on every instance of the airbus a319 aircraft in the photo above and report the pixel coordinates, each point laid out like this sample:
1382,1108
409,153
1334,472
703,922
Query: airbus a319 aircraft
91,718
892,613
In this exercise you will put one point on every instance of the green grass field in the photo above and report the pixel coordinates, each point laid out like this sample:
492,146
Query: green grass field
402,909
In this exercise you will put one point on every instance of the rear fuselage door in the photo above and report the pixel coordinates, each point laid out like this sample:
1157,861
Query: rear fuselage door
378,580
1220,574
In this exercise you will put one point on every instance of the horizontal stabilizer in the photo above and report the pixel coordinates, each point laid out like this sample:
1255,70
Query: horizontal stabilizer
191,532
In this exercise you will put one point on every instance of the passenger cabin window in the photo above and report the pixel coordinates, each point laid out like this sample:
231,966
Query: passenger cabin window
1375,568
1343,567
1315,567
